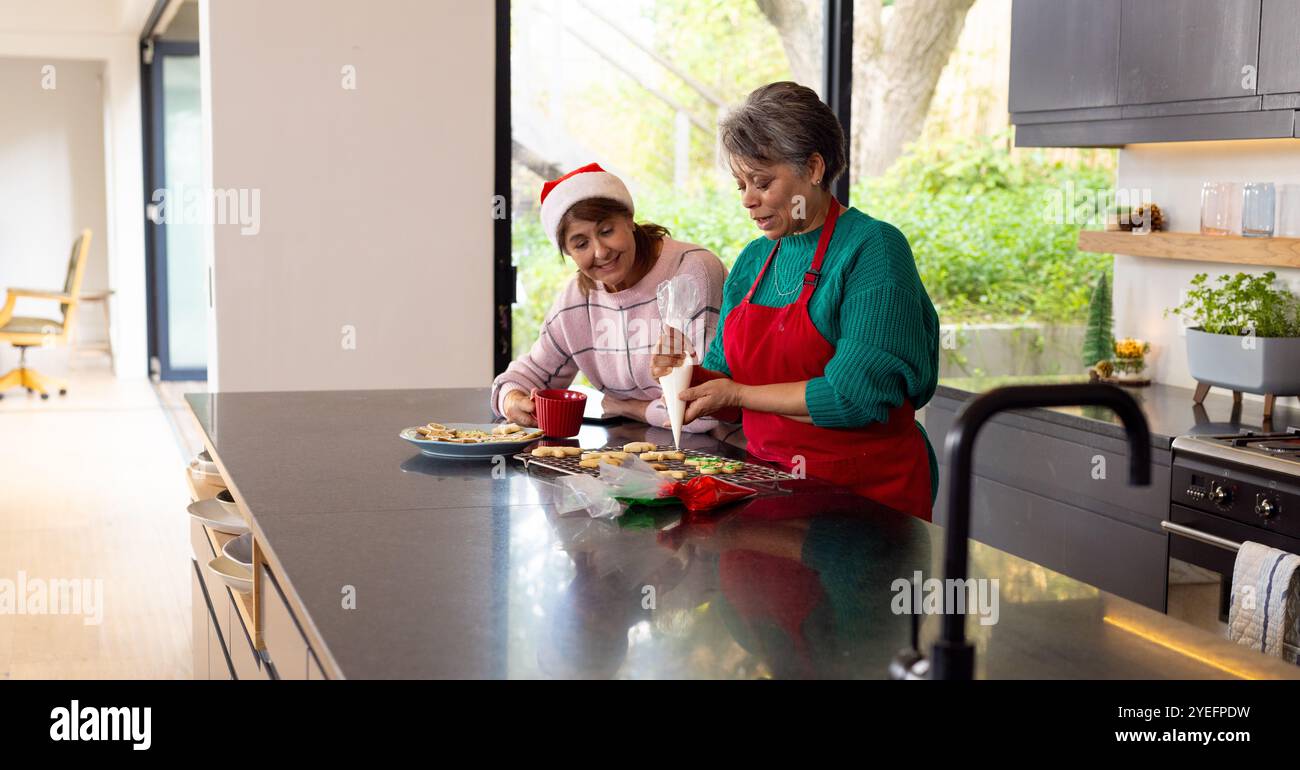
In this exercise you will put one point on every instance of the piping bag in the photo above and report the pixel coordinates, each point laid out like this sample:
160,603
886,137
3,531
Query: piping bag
678,299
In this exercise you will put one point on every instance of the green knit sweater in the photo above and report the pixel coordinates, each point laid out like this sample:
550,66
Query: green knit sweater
869,303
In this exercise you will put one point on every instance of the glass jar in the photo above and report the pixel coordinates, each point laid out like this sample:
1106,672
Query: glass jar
1221,208
1288,211
1257,209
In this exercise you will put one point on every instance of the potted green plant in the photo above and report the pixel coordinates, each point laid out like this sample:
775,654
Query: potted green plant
1244,335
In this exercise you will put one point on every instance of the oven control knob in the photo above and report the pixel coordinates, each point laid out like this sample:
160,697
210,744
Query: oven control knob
1220,494
1265,507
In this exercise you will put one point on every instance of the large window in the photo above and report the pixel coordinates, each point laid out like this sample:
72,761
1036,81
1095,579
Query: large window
638,86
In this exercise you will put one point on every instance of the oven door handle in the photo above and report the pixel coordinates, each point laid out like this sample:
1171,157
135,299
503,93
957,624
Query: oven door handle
1204,537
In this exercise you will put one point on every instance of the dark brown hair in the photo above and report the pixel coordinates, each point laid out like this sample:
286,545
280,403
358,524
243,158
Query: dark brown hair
785,123
598,210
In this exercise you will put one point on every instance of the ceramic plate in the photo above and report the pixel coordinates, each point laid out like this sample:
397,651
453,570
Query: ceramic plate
214,515
467,451
240,550
233,574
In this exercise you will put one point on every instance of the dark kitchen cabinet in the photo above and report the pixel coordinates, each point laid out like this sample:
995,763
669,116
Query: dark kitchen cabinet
1186,50
1103,73
1279,47
1064,54
1037,493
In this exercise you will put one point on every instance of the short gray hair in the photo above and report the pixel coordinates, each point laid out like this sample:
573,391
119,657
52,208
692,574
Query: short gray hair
785,123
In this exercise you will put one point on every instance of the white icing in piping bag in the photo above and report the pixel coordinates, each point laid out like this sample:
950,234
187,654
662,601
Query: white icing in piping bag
679,302
673,383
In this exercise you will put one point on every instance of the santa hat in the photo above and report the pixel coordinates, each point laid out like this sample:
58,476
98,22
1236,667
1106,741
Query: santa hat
590,181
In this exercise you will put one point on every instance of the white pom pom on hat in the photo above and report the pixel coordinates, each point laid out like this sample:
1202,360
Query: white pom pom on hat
580,184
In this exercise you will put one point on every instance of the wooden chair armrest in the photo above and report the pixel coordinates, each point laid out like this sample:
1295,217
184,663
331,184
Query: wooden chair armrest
57,296
12,295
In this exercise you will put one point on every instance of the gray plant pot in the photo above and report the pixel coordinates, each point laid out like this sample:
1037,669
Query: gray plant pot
1252,365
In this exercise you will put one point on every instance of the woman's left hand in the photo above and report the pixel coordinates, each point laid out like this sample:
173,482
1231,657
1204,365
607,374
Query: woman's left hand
624,407
709,397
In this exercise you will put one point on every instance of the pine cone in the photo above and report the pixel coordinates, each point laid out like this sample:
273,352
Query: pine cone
1149,219
1104,368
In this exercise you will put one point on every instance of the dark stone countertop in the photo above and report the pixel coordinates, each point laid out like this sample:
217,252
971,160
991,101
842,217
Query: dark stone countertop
463,569
1169,410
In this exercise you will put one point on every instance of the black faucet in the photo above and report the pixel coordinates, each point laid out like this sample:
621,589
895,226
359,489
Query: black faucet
952,657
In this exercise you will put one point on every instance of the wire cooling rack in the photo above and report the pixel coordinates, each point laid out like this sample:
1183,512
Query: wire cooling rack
748,472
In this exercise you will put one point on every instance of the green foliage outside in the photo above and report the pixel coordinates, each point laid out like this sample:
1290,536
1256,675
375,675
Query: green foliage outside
1240,303
973,211
727,45
975,216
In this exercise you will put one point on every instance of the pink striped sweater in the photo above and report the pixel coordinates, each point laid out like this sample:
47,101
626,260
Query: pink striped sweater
610,336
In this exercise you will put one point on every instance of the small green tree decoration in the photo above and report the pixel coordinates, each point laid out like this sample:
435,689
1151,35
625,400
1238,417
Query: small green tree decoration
1098,340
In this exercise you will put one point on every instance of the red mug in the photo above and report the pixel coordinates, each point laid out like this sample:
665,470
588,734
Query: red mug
559,412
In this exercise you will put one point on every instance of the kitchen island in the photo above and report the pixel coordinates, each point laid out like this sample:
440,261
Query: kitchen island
390,564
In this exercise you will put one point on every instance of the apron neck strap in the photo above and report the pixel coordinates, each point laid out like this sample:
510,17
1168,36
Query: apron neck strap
814,270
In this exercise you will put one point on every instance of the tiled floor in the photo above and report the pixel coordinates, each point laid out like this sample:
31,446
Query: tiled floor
92,487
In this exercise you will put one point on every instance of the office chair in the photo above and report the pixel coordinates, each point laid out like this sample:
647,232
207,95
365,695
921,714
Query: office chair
26,331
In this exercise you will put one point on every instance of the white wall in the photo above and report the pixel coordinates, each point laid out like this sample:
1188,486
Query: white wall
106,32
375,202
1174,173
52,186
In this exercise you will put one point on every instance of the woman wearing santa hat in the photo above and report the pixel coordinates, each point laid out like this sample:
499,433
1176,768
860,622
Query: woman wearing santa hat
829,342
605,322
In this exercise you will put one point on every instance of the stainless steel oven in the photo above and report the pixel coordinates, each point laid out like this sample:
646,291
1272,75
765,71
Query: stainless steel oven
1226,490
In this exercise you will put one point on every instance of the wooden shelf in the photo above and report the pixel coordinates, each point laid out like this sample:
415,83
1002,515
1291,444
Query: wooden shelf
201,489
1271,252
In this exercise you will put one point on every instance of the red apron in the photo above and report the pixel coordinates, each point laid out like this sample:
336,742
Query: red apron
885,461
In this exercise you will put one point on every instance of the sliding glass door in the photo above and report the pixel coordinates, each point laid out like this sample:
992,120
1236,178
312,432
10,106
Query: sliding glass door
179,294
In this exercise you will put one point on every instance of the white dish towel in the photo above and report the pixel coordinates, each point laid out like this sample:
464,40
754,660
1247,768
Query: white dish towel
1265,606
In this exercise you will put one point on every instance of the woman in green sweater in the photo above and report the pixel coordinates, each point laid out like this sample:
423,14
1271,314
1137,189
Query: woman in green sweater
830,342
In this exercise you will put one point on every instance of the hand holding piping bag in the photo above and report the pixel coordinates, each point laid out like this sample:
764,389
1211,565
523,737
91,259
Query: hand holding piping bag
672,350
713,393
678,297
